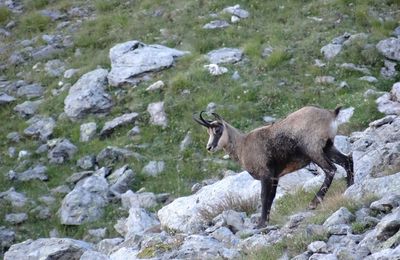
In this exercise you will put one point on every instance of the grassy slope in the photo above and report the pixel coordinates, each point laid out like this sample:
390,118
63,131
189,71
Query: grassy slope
273,86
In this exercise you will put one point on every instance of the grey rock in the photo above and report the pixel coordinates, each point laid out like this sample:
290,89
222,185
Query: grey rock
353,67
138,222
375,186
95,235
130,60
16,58
154,168
106,246
388,226
231,219
16,199
386,254
382,121
88,96
395,92
341,216
269,119
396,31
14,137
324,80
156,86
92,255
146,200
7,237
63,190
236,75
369,79
389,71
387,203
390,48
236,11
157,114
52,14
216,24
110,126
267,51
120,180
86,202
70,73
215,69
134,131
319,256
331,50
41,212
16,218
54,68
259,241
341,39
46,52
12,152
296,219
87,131
77,176
387,106
40,127
111,155
87,162
5,99
48,248
225,55
39,172
204,247
225,235
27,108
342,143
317,247
60,151
43,148
47,199
341,229
186,142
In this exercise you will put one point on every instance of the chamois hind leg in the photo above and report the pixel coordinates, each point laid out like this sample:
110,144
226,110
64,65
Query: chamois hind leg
343,160
329,168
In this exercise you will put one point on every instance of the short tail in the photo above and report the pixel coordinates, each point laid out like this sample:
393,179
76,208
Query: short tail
343,115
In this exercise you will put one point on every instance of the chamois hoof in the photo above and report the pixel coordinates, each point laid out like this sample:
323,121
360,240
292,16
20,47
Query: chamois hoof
312,206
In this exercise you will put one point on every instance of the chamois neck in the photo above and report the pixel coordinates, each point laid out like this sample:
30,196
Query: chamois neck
235,141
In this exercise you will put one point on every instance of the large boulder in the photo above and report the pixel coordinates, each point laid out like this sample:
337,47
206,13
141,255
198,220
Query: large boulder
86,202
130,60
138,222
88,95
390,48
185,213
389,103
48,248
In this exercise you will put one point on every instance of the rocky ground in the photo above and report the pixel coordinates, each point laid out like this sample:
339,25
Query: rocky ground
218,219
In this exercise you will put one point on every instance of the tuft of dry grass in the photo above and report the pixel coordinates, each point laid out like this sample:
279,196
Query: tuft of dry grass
231,202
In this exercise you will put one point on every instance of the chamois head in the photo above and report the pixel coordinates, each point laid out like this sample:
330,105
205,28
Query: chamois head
215,128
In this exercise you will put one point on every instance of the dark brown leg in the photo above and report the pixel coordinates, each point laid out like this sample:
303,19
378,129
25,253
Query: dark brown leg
329,169
345,161
268,191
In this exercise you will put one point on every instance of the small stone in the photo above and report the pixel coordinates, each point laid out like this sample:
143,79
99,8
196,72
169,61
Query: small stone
157,114
14,137
16,218
318,247
331,50
217,24
87,162
110,126
225,55
154,168
369,79
87,131
70,73
215,70
134,131
5,99
156,86
341,216
324,80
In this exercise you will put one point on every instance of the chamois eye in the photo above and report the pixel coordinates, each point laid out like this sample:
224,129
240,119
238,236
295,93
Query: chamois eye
218,130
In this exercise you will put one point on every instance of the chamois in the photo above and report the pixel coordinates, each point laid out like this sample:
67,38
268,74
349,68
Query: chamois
272,151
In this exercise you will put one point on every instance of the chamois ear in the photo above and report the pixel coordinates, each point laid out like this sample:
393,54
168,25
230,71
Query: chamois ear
218,117
201,120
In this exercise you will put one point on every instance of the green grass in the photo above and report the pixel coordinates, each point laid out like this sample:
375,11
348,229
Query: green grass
276,85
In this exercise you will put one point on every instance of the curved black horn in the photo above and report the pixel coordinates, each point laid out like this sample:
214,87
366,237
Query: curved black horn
218,117
202,121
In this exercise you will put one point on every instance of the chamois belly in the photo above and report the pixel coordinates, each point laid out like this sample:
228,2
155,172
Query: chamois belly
293,166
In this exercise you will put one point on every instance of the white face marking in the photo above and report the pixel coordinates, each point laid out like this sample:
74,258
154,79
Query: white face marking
213,133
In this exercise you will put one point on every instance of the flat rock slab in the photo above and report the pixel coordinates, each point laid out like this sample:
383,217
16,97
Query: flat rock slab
47,248
130,60
225,55
5,99
28,108
39,172
110,126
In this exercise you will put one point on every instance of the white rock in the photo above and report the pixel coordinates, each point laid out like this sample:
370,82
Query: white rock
331,50
341,216
157,114
154,168
139,221
317,247
87,131
215,70
156,86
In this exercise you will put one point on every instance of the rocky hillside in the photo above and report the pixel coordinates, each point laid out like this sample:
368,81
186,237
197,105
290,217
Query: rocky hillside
100,157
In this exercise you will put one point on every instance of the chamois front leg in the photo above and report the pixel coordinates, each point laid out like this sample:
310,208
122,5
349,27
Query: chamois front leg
268,191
